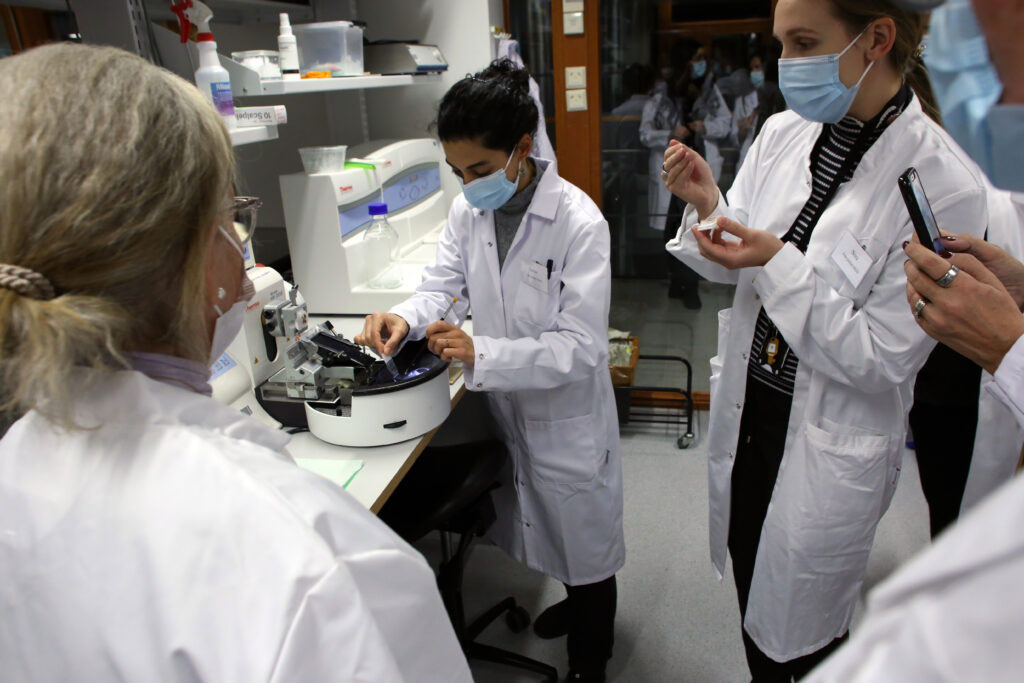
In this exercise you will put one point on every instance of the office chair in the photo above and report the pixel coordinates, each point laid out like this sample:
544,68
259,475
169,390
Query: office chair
448,489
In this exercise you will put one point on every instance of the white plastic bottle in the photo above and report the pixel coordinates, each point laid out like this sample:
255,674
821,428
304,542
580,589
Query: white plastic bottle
382,241
213,80
289,50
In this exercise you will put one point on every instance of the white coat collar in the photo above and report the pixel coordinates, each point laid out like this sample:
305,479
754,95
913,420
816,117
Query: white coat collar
547,196
131,398
549,191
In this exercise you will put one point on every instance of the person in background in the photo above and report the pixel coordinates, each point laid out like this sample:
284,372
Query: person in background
956,611
816,358
530,253
769,97
147,532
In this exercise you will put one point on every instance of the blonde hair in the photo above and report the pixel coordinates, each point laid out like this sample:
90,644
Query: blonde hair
113,174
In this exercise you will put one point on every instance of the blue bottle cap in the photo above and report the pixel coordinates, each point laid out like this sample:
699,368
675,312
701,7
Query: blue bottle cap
378,209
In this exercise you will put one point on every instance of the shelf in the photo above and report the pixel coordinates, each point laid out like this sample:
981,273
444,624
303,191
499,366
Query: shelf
312,85
251,134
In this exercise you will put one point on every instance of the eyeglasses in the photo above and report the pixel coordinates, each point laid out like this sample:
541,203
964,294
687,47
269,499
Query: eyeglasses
244,210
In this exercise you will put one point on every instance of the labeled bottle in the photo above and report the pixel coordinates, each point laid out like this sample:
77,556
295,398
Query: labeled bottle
288,49
382,251
213,80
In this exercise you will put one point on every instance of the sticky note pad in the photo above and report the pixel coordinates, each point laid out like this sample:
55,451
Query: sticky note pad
341,472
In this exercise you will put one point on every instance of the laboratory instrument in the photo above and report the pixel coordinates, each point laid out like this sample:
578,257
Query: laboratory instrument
327,213
404,58
287,372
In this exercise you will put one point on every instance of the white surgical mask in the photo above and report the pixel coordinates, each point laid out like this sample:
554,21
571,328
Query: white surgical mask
229,322
812,87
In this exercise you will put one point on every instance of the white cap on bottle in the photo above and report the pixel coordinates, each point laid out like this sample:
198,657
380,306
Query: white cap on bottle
286,25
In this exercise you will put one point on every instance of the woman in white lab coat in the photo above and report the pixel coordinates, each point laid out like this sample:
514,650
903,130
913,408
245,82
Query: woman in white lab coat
148,533
529,252
816,358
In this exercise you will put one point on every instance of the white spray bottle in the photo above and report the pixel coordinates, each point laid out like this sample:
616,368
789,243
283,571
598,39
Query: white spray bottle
212,79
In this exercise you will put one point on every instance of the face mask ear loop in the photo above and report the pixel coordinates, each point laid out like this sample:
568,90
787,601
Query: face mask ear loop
847,49
231,241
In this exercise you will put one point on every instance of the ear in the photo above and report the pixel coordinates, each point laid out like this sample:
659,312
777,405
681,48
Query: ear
880,37
525,146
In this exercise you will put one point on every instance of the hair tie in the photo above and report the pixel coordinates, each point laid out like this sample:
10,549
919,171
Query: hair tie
919,51
26,282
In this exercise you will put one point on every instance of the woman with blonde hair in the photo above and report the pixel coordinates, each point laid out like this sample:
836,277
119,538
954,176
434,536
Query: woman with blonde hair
146,531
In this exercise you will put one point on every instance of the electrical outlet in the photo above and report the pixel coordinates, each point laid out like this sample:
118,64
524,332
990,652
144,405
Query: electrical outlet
572,23
576,100
572,5
575,77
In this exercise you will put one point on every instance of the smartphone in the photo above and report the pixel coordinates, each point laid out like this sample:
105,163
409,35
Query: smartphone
920,210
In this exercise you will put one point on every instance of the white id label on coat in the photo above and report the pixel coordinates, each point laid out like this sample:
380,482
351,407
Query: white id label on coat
852,259
536,276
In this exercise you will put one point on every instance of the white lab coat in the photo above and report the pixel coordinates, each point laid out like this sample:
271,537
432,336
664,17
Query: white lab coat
178,541
859,351
542,358
953,613
998,439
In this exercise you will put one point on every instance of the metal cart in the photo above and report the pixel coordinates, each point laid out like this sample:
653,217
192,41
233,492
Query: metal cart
640,404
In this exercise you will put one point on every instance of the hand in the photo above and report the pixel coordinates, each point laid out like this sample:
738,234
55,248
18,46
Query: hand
1003,23
681,132
697,126
975,316
450,342
689,177
755,248
383,332
1007,269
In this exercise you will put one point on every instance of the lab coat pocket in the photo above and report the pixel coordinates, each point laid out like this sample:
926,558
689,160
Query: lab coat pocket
563,451
536,308
848,484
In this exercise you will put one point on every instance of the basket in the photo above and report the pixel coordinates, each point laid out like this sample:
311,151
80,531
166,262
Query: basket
625,375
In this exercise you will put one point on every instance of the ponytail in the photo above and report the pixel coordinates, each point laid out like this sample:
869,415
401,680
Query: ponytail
919,80
493,106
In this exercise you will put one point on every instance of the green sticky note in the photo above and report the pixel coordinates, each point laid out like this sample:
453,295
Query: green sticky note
341,472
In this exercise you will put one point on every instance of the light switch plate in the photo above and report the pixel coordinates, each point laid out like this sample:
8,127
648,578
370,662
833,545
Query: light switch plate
575,77
573,24
572,5
576,100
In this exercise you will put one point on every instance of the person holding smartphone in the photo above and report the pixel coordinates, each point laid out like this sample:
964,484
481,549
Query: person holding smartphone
816,358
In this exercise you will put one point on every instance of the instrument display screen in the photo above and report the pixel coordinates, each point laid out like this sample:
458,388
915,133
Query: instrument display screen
402,192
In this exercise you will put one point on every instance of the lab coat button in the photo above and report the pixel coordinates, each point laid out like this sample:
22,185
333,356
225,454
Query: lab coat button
744,355
481,356
490,244
739,406
479,384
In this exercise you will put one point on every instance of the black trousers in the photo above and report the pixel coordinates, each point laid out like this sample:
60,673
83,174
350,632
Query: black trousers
591,625
944,420
758,455
680,276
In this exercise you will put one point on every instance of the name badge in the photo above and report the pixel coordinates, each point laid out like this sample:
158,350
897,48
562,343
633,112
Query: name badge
536,275
852,259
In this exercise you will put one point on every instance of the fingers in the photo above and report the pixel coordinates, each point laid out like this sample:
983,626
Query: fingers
458,349
733,228
679,174
395,329
673,156
438,327
927,260
967,263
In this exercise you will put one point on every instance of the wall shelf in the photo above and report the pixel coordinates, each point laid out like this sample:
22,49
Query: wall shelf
251,134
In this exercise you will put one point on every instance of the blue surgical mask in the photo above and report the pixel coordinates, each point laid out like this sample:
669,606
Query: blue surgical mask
812,87
699,68
757,78
968,89
493,191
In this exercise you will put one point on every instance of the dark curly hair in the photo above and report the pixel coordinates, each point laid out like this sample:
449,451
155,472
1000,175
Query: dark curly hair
493,106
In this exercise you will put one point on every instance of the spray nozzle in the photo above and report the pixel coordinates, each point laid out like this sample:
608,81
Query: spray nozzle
193,13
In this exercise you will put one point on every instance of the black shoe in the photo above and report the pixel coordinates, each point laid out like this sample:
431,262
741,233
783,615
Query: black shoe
575,677
553,622
691,298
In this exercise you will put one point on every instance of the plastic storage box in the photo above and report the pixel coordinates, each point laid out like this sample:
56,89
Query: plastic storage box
334,46
323,159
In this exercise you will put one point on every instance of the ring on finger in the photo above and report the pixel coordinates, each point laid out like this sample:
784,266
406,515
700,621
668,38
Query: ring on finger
947,279
919,307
